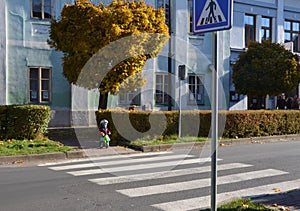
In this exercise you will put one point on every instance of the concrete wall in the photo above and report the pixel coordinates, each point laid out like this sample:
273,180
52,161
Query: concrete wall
3,69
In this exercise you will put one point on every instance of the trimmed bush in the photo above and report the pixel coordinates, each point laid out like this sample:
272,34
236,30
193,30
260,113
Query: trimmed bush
233,124
124,124
244,124
23,121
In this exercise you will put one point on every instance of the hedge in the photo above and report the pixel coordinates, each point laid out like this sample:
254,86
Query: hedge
23,121
130,125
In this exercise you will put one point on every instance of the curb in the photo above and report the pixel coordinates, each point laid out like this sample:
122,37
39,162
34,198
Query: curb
227,142
38,157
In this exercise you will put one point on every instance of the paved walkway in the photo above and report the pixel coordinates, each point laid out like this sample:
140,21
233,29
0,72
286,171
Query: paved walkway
282,201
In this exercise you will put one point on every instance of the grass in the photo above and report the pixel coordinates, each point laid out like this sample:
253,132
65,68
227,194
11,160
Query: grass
242,204
37,146
166,140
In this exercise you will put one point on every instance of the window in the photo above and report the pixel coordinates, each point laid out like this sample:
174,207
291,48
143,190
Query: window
130,98
165,5
41,9
196,89
266,28
249,29
190,16
292,34
161,89
39,84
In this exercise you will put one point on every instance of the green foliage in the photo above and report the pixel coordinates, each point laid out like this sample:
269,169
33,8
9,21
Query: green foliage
24,147
241,124
243,204
23,121
166,140
266,68
85,28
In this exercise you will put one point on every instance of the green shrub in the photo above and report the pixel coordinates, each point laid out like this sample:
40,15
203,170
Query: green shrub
233,124
23,121
244,124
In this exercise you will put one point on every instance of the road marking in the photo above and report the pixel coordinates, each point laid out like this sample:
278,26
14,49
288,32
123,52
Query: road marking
104,164
168,164
199,183
164,174
204,202
103,158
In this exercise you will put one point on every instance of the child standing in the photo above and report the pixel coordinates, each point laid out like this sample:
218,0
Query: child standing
104,133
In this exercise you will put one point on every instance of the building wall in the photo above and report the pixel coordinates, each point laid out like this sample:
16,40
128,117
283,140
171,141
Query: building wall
278,10
26,46
3,69
23,43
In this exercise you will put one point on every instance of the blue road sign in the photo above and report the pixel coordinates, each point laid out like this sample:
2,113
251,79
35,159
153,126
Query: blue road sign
212,15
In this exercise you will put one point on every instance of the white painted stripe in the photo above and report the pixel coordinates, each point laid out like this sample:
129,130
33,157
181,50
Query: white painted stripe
200,183
164,174
103,158
169,164
104,164
204,202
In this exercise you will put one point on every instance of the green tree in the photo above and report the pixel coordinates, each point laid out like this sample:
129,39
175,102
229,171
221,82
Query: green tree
93,38
266,69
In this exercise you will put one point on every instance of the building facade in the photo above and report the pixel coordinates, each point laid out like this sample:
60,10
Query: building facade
31,72
275,20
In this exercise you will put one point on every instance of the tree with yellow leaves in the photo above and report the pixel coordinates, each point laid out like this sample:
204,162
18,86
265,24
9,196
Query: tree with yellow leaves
103,46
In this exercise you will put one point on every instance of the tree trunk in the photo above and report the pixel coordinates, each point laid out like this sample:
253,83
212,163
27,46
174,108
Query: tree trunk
103,100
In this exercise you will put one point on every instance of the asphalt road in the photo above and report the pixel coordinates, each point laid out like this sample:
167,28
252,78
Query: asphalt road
150,181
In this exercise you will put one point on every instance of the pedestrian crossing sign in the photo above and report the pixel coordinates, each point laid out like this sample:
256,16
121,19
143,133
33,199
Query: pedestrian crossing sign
212,15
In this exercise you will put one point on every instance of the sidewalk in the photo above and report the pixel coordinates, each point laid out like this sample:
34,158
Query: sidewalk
282,201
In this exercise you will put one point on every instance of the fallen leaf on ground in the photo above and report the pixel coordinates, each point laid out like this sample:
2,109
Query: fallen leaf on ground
276,190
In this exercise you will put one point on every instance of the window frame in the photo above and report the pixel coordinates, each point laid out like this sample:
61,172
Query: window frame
264,29
190,19
248,28
39,83
129,97
199,85
164,86
165,6
291,32
190,16
43,10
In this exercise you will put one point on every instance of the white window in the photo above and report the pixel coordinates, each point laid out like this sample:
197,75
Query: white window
266,28
161,89
250,29
196,89
39,84
164,4
42,9
292,33
130,98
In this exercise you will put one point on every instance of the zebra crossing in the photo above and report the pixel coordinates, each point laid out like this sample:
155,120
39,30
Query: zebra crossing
128,169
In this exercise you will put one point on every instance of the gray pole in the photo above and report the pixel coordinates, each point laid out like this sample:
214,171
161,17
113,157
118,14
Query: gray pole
214,123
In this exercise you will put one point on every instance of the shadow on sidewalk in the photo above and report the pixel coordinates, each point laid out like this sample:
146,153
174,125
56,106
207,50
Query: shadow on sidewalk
290,199
83,138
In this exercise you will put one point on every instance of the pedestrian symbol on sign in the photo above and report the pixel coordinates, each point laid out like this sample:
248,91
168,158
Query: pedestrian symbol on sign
211,13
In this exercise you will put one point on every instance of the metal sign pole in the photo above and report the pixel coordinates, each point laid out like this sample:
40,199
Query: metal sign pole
217,18
214,123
